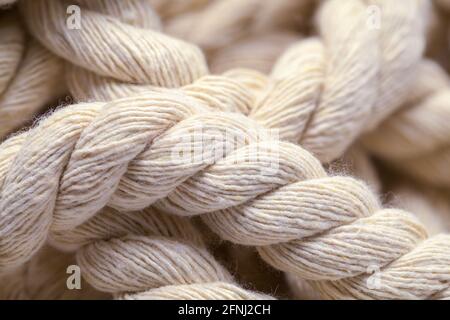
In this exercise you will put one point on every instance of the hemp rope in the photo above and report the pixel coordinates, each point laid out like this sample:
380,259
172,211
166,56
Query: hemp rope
148,255
151,58
415,139
44,277
284,215
84,82
170,9
29,75
431,206
306,99
257,52
19,139
223,22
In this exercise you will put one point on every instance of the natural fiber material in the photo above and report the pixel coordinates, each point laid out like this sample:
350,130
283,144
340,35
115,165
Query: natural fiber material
168,62
146,96
44,277
415,139
431,206
296,215
257,52
323,92
148,255
30,76
223,22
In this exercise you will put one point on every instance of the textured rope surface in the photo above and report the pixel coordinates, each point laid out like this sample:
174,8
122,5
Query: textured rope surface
147,94
295,216
223,22
29,75
415,139
44,277
324,93
147,255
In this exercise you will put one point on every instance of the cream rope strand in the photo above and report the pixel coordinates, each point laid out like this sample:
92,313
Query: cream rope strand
30,76
370,70
256,52
224,22
295,215
431,206
170,9
148,255
415,139
149,58
347,81
44,277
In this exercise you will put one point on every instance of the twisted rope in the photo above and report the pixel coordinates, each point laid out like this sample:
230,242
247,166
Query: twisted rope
44,277
303,221
223,22
293,216
415,139
323,92
29,75
148,255
150,58
257,52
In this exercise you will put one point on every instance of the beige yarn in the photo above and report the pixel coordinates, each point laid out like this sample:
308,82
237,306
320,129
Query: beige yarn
151,58
168,9
258,52
431,206
347,81
148,255
356,163
316,91
295,216
30,76
44,278
415,139
223,22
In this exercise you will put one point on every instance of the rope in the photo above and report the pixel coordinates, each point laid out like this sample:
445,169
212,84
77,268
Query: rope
148,255
328,230
29,75
342,84
414,140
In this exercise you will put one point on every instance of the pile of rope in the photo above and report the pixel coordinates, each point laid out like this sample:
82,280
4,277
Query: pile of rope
193,149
